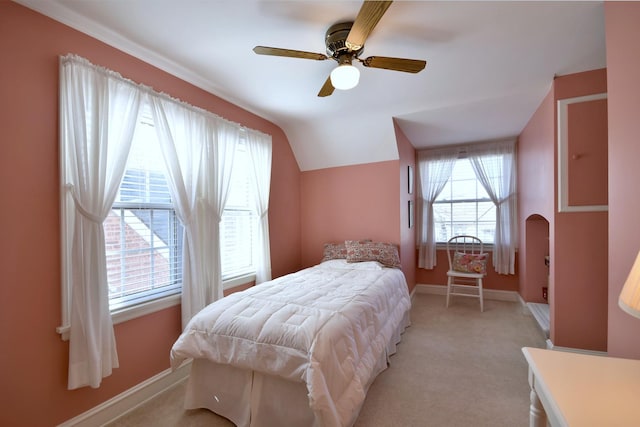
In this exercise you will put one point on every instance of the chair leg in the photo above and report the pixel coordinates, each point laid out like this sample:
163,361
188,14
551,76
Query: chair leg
481,294
448,289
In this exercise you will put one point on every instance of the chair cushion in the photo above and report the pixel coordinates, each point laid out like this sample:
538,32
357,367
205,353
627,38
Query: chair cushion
470,263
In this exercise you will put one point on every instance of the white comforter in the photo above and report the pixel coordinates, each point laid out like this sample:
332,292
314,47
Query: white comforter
327,326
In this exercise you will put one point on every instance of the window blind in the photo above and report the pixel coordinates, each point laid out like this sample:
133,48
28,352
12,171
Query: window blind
143,235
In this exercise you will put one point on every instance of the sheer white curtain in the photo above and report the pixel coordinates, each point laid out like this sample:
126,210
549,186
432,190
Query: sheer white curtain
181,133
198,149
98,112
434,170
215,180
495,167
259,146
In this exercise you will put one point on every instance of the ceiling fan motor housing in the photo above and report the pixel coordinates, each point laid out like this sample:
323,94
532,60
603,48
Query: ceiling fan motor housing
335,40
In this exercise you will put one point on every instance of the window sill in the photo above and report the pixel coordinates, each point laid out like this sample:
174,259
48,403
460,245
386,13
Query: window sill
233,282
125,314
487,247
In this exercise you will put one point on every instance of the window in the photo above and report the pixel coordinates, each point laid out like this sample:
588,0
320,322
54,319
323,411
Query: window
143,236
120,192
464,207
461,188
238,228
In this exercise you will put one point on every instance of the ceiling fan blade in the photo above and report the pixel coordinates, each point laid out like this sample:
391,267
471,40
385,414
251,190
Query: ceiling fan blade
275,51
368,17
396,64
327,88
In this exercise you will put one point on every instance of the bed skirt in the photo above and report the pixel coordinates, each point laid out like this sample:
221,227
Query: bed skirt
253,399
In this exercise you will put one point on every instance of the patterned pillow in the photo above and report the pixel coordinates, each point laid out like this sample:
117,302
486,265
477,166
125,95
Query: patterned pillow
385,253
470,263
334,251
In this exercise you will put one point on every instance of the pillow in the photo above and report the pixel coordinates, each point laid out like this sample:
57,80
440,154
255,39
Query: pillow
343,264
385,253
470,263
336,251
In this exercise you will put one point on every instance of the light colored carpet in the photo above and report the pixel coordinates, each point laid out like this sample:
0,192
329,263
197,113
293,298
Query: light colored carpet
454,367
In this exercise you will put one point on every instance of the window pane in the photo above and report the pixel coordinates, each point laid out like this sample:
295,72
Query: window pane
237,230
240,189
486,221
143,236
442,216
144,251
446,192
464,189
464,212
238,227
464,206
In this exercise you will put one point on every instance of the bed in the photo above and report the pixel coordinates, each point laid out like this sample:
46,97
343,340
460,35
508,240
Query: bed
300,350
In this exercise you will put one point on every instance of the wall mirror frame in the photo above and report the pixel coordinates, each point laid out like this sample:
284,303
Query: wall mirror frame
564,156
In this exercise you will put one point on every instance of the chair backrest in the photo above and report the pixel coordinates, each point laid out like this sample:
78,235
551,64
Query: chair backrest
463,244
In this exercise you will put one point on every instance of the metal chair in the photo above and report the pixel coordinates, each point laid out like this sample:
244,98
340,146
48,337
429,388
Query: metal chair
467,267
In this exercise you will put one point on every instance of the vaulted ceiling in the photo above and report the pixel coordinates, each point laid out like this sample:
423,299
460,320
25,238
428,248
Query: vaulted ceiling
489,64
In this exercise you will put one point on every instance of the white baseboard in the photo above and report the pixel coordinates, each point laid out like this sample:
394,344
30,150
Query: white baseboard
550,346
130,399
492,294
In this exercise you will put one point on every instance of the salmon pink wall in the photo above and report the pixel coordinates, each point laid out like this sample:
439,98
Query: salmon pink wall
580,241
366,201
493,280
536,190
587,166
580,282
577,241
407,156
536,162
623,69
348,202
33,360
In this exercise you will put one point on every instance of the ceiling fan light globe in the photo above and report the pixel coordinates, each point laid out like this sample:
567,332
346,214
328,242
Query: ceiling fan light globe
345,77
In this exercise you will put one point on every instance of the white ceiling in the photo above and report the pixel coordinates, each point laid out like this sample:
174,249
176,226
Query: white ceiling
489,64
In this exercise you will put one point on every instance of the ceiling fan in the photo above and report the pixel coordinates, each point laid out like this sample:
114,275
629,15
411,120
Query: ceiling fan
345,43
